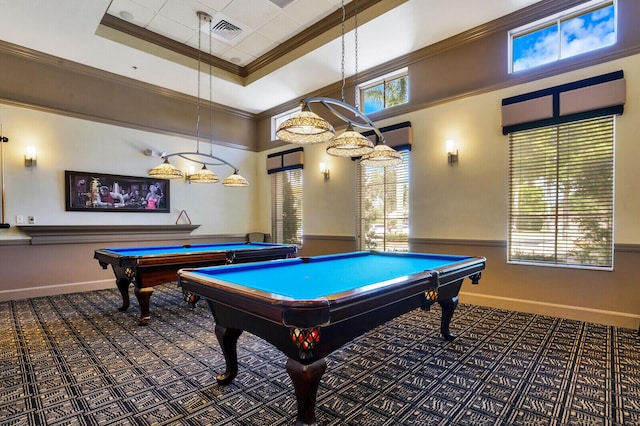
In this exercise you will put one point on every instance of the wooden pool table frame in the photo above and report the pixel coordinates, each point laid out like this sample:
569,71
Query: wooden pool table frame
307,331
146,272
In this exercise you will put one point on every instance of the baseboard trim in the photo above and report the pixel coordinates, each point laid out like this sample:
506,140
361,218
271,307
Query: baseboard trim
598,316
56,289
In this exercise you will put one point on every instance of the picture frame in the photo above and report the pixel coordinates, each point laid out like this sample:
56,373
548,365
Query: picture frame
101,192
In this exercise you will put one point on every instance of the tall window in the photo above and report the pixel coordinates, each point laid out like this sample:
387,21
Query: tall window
561,194
384,92
582,29
286,207
383,206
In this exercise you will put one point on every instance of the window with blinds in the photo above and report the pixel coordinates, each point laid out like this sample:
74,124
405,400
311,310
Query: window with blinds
561,195
286,207
383,206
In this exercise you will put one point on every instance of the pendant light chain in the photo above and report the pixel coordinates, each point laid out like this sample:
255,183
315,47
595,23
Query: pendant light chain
355,75
210,92
168,171
198,94
343,19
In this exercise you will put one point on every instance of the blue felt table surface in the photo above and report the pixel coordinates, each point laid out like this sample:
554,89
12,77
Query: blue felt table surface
328,275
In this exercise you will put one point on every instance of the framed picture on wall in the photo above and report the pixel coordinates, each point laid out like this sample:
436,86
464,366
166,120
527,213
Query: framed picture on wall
91,192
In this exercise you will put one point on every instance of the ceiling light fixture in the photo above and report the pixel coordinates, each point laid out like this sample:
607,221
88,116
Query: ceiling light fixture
308,127
350,143
167,171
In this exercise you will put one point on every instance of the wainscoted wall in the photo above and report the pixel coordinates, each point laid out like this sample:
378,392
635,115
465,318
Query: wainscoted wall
52,267
458,210
605,297
317,245
585,295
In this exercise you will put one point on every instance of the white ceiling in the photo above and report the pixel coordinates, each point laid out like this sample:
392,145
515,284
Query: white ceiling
67,29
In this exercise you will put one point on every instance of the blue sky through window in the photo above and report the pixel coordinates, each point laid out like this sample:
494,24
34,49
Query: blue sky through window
372,103
579,34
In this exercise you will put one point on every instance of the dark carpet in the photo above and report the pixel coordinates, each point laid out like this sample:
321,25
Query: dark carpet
75,360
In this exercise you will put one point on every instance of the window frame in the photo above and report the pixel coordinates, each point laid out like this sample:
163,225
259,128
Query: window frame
557,20
384,79
278,225
549,204
364,225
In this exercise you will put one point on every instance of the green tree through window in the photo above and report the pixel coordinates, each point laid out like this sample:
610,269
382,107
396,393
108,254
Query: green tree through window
383,206
385,93
286,208
561,194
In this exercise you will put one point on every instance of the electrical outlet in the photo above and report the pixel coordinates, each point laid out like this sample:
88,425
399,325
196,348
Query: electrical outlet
19,219
31,220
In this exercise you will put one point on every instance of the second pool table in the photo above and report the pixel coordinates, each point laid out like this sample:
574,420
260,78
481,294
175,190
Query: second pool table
309,307
147,267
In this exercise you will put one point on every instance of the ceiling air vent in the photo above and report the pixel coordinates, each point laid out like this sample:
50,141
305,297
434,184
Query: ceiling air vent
224,30
281,3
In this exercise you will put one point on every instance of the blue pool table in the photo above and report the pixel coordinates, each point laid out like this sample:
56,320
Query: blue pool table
147,267
309,307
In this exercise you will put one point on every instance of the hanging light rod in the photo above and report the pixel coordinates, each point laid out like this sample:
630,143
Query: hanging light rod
192,156
308,127
205,159
330,102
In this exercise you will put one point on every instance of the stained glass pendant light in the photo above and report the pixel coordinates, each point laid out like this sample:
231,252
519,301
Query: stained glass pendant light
305,127
235,180
350,144
204,175
381,156
166,170
308,127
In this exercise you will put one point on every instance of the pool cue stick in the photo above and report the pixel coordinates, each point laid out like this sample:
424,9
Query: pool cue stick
3,140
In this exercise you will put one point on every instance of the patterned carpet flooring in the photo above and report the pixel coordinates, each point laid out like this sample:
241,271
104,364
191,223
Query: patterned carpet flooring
75,360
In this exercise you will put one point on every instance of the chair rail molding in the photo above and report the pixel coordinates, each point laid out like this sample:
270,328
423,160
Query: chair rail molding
64,234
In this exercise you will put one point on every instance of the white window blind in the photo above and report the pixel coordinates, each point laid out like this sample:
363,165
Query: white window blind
561,194
383,206
286,207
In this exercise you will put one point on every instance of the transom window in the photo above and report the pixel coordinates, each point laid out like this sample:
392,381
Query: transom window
578,30
561,195
384,92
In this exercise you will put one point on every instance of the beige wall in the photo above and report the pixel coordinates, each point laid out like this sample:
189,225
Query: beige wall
467,201
66,143
463,209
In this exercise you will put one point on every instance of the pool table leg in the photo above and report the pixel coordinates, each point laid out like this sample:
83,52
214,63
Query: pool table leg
143,295
123,285
306,380
448,307
228,338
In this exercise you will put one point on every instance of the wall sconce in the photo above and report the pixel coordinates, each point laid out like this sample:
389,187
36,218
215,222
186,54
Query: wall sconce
325,171
30,157
452,157
190,172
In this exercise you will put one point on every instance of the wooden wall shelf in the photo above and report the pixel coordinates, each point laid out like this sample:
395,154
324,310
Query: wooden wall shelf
68,234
